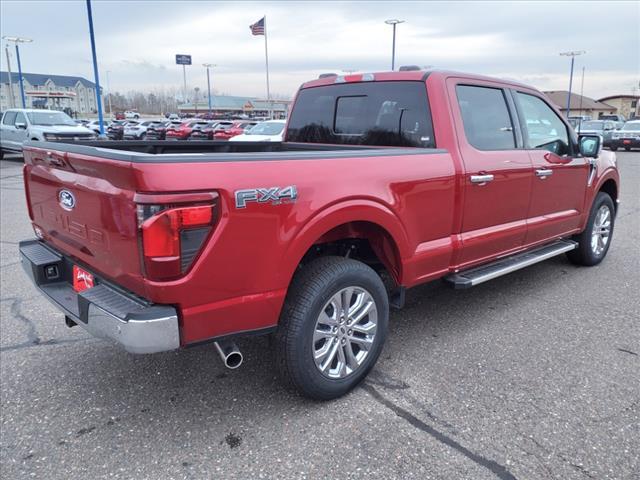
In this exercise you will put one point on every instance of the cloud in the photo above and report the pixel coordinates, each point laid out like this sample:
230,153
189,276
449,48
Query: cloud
137,40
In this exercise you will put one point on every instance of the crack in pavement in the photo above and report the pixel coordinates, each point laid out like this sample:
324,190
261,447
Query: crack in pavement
33,339
499,470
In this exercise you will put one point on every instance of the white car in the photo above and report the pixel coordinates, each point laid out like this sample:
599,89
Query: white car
22,124
130,114
269,131
137,131
95,125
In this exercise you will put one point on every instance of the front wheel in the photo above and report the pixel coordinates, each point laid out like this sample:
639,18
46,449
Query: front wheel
595,240
613,149
628,149
332,328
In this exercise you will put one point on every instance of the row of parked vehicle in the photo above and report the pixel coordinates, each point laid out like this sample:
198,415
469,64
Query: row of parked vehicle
615,133
196,129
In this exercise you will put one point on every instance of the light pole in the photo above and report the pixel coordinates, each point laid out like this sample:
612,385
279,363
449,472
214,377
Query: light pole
109,90
18,40
12,100
208,66
95,69
573,56
393,22
197,89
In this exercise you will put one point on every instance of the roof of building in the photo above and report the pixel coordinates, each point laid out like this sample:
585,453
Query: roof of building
559,98
41,79
613,97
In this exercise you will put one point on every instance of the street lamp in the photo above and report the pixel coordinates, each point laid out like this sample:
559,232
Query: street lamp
18,40
197,89
208,66
573,56
393,22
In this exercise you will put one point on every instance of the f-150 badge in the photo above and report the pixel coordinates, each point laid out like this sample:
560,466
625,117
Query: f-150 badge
275,195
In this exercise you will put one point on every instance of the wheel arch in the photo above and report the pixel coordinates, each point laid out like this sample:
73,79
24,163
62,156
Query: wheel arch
366,221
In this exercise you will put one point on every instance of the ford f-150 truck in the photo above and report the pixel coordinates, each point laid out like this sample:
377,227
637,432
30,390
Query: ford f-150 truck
384,181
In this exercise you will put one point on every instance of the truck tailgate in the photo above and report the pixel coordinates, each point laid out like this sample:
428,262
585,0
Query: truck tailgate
84,207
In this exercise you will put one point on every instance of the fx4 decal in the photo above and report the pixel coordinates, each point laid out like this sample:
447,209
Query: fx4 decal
275,195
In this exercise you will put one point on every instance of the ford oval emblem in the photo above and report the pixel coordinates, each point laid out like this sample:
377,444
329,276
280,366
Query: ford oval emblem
67,199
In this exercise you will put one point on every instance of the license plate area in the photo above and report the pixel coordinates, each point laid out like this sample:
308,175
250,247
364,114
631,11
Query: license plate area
82,280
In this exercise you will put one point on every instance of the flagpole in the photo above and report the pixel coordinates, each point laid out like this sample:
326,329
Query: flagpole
266,59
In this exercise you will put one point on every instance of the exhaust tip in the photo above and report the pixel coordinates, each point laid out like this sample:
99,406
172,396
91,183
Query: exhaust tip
229,353
233,360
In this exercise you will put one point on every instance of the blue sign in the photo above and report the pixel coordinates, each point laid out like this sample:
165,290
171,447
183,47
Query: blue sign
183,59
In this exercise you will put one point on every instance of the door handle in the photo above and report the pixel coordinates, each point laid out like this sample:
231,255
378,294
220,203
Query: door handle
543,173
481,179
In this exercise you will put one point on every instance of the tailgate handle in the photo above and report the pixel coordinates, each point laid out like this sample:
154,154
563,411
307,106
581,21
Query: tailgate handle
56,159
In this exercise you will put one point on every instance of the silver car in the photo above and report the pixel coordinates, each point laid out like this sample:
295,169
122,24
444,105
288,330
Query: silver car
604,128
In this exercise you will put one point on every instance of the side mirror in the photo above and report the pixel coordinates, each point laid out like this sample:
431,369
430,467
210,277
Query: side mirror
21,125
590,145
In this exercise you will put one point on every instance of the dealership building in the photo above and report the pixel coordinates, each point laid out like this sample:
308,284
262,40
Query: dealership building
74,95
233,105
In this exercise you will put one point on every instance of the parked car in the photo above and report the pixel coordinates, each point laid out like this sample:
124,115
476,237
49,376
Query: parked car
269,131
613,118
183,130
203,131
627,137
236,128
22,124
94,125
131,114
158,130
173,117
605,128
119,116
138,131
116,129
312,239
81,121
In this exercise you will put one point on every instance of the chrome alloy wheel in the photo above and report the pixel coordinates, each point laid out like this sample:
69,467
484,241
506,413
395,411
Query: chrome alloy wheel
344,332
601,230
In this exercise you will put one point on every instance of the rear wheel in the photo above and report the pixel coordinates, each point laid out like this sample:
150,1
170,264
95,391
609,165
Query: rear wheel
594,241
628,149
613,149
332,328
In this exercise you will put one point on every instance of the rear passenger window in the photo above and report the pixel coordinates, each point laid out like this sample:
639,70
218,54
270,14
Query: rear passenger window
544,129
486,119
363,113
9,118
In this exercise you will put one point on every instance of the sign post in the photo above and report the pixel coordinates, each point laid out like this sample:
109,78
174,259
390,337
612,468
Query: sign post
183,60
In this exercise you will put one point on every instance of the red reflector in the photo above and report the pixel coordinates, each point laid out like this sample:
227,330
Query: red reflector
82,280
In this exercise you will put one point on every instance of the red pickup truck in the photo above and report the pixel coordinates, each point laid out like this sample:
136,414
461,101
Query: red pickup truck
384,181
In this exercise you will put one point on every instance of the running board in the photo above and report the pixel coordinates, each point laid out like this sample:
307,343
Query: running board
475,276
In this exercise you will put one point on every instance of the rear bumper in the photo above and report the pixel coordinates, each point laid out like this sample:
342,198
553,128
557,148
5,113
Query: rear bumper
104,311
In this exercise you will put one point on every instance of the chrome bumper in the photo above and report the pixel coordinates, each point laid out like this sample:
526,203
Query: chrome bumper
105,312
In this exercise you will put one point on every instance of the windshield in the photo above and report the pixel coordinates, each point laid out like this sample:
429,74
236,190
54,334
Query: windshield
50,118
592,126
266,128
631,126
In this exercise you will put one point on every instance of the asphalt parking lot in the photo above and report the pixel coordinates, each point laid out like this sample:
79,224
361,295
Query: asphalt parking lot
535,375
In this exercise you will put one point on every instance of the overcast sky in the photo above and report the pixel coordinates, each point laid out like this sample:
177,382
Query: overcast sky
137,41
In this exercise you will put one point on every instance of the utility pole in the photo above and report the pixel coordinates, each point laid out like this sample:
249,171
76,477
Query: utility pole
573,56
109,97
12,100
208,66
393,22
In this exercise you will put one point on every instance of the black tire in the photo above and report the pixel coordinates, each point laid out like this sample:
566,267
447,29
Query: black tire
585,254
310,291
613,149
628,149
1,154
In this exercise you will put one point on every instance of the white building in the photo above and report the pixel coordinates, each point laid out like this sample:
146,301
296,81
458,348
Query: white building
74,95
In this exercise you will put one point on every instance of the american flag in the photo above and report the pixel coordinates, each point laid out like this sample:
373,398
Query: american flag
258,27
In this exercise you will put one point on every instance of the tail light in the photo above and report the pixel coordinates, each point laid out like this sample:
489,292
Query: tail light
173,236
